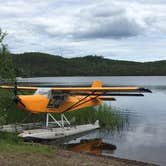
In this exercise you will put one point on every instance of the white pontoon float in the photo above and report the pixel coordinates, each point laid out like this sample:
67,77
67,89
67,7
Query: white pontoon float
61,131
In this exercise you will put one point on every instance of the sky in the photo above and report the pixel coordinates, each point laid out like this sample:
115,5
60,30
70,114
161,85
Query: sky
133,30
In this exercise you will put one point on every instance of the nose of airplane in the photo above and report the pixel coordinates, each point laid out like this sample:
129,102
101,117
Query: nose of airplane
18,100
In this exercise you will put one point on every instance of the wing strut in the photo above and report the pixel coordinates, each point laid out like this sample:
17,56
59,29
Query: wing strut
79,102
75,104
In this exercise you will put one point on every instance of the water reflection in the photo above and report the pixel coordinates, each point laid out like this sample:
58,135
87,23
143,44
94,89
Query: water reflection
93,146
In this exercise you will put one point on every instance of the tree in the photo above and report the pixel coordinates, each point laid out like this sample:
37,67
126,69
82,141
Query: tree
7,73
6,65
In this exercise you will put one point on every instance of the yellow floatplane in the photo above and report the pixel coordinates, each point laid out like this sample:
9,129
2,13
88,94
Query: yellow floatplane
64,99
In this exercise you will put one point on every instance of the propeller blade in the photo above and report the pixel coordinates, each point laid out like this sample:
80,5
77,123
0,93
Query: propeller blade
15,88
18,100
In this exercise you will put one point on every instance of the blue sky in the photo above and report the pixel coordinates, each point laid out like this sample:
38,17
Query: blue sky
116,29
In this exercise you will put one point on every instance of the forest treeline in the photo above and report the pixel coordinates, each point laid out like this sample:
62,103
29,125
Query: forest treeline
40,64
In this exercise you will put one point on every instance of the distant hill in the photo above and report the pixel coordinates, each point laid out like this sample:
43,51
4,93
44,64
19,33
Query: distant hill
41,64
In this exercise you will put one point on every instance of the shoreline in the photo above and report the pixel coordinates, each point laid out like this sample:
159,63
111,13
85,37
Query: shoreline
91,159
65,158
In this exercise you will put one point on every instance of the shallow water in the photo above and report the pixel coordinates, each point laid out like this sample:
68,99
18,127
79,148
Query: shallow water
144,138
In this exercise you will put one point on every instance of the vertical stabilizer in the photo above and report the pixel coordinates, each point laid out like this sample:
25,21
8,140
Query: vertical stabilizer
97,83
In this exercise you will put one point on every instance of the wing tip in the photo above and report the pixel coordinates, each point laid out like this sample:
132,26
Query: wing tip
145,90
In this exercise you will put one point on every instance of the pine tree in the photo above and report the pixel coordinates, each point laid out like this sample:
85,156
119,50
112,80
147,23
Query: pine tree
6,65
6,75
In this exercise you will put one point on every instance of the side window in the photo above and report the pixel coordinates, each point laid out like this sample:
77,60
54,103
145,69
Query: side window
56,99
43,91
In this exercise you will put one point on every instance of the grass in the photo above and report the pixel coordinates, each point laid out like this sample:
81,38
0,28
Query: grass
10,142
109,118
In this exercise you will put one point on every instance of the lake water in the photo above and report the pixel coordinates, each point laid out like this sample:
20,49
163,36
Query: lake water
145,137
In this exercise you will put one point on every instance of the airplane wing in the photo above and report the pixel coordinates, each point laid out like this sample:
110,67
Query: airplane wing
96,88
19,87
85,89
101,89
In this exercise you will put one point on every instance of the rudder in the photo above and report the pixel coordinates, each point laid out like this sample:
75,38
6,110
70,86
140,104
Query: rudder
97,83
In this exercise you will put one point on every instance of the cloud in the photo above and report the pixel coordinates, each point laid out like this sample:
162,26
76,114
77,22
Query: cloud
100,21
114,28
88,23
85,27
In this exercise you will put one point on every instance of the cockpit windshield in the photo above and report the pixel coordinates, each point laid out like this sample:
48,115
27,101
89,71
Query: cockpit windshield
43,91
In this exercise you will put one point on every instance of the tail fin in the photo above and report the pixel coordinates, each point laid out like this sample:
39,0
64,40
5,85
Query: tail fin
97,83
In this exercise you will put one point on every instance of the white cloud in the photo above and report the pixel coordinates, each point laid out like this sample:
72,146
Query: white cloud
70,28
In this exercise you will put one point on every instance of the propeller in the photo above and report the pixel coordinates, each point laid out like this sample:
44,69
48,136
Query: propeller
15,98
15,88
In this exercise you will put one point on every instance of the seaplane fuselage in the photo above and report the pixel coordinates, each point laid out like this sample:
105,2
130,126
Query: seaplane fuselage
43,101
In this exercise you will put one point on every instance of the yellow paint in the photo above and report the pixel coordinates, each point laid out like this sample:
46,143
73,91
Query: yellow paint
38,103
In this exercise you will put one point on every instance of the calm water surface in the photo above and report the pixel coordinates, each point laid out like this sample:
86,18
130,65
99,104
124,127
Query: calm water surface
145,137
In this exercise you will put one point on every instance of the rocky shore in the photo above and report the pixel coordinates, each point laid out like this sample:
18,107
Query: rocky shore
64,158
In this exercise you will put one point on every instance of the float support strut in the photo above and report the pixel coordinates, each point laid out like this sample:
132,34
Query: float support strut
60,124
